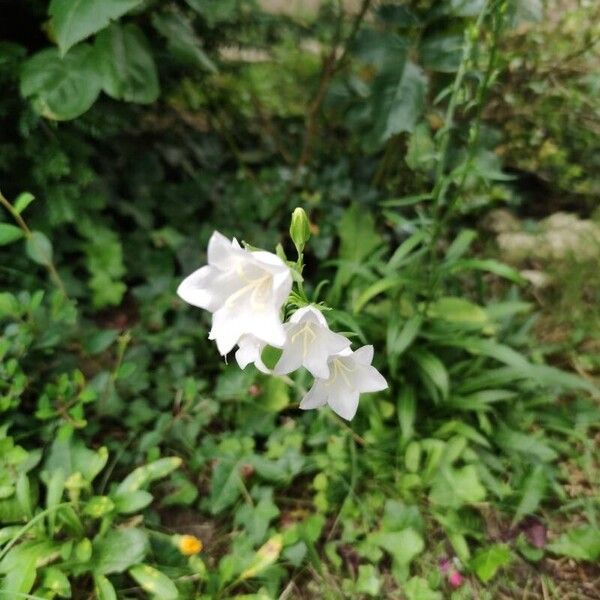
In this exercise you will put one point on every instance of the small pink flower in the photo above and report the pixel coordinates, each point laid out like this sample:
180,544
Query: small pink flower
444,565
455,579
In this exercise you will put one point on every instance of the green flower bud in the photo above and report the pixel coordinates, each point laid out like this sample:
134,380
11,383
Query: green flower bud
300,229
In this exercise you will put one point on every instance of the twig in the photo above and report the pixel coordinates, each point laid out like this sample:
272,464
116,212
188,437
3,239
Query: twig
331,66
28,233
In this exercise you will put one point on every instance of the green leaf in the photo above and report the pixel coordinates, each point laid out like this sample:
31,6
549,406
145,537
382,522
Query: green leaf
490,266
118,550
433,369
398,103
157,584
383,285
215,12
39,248
417,588
458,310
265,556
103,588
182,41
368,581
358,240
61,88
487,561
453,488
147,473
75,20
403,545
532,493
132,501
71,456
526,444
23,201
9,233
581,543
255,519
399,340
225,485
126,63
275,395
442,52
57,582
407,410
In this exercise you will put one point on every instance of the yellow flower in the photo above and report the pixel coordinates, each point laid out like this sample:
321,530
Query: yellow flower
189,545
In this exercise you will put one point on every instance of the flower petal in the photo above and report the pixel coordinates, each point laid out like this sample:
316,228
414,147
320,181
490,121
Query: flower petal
364,355
343,402
314,398
369,379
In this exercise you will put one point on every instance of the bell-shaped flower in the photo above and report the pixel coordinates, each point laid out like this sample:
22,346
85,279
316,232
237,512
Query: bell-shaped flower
244,290
309,343
250,351
350,374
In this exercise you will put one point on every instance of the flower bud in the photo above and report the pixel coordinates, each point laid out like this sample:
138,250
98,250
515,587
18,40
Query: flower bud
188,545
300,229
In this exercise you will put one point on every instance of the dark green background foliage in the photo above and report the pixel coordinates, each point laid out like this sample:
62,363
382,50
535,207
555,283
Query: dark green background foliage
129,131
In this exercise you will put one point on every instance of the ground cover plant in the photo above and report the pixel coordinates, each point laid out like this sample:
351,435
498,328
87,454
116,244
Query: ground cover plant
348,156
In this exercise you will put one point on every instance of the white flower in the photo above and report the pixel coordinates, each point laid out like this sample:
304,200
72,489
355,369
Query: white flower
309,343
244,291
250,351
351,374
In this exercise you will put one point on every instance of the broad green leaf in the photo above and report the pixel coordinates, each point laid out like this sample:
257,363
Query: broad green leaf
215,12
118,550
369,581
255,519
487,561
398,103
104,588
275,395
71,456
182,41
225,485
9,233
75,20
403,545
581,543
61,88
155,583
126,63
453,488
39,248
131,502
417,588
442,51
420,155
55,580
358,240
